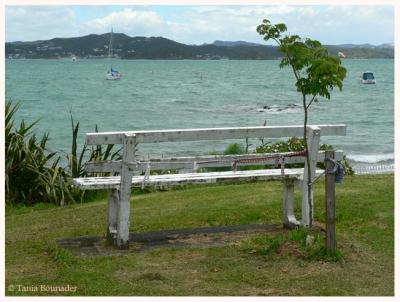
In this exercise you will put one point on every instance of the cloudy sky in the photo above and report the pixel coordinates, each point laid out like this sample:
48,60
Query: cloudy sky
196,24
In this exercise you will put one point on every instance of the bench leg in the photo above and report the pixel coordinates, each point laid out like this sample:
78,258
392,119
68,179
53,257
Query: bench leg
113,200
124,207
124,204
313,146
289,219
305,208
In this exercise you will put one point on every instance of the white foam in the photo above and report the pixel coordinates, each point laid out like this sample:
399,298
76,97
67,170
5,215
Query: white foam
375,169
371,158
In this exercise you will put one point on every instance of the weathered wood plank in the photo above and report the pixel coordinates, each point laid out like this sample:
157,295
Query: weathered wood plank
321,155
96,183
314,134
125,192
200,161
113,200
330,240
289,218
173,135
104,166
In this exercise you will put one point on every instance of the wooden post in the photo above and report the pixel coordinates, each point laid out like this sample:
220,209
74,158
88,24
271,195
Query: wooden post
313,134
330,204
113,201
125,192
289,219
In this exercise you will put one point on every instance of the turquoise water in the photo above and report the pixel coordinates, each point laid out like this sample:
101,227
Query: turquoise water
158,94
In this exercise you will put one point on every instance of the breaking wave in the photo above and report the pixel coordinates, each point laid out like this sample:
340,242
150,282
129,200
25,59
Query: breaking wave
371,158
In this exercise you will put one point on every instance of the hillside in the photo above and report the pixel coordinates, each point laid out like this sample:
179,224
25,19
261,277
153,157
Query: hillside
125,47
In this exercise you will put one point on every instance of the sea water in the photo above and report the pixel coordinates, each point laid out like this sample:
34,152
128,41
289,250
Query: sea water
168,94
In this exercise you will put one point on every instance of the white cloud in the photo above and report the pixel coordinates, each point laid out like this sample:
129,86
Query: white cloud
199,24
38,22
206,24
348,24
129,21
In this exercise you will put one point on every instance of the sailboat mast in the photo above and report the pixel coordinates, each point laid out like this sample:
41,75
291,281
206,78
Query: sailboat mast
110,47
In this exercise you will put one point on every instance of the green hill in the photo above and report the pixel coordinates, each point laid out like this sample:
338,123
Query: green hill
125,47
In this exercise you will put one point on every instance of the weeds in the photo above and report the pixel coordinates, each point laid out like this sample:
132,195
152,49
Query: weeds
291,244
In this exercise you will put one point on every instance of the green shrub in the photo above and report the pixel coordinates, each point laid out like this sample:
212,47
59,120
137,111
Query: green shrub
235,149
31,172
295,144
232,149
76,160
292,145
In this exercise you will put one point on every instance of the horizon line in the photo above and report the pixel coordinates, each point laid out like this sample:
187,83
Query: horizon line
204,43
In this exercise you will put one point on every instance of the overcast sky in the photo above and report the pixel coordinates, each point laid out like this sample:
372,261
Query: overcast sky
198,24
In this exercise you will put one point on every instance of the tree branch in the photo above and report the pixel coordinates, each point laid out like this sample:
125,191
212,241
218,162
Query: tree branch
312,100
290,60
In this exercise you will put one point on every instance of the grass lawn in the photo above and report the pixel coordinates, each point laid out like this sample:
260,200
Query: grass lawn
256,265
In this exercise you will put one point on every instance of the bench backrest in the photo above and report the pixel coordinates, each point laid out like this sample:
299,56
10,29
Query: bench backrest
130,140
180,135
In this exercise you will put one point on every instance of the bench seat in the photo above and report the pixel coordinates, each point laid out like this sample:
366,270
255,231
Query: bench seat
113,182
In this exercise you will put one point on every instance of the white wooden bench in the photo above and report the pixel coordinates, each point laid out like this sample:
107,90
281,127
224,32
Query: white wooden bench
131,167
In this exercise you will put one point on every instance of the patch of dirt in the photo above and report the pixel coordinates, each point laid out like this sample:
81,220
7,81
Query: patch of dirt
151,276
196,240
141,242
319,225
290,248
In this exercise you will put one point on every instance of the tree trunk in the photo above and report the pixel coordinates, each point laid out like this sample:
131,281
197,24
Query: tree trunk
307,161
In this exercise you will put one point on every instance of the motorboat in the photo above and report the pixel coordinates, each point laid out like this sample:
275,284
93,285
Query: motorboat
368,78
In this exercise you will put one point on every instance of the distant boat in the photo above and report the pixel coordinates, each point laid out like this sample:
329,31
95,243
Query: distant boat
341,54
73,58
112,74
368,78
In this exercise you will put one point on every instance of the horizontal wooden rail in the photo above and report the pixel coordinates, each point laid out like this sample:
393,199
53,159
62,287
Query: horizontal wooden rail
113,182
175,135
196,161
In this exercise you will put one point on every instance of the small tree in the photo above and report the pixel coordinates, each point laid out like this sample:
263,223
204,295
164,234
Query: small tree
316,73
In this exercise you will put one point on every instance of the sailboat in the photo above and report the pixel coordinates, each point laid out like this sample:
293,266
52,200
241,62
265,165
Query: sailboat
112,74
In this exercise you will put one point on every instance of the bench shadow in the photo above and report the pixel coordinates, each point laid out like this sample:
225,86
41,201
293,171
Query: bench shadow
90,246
